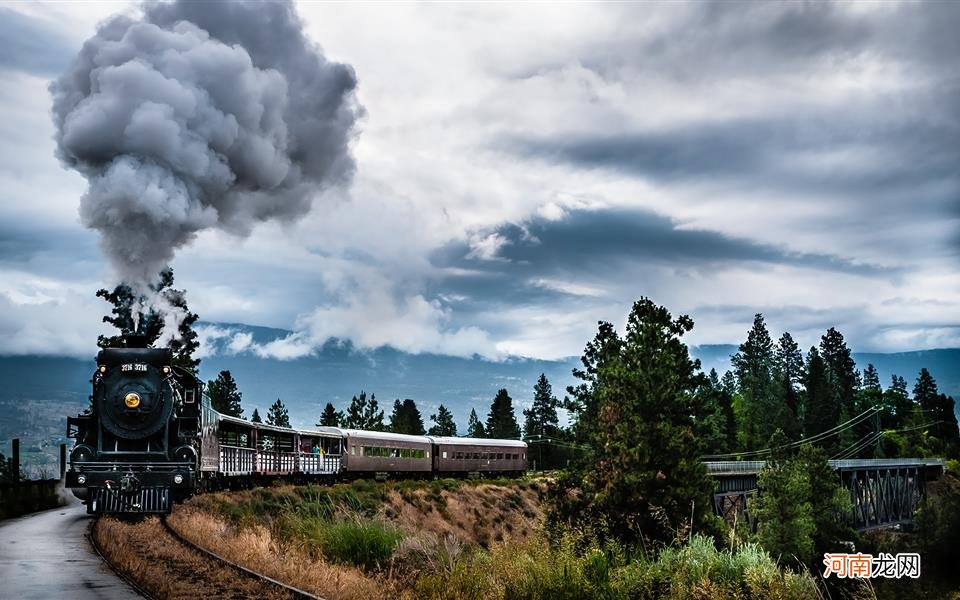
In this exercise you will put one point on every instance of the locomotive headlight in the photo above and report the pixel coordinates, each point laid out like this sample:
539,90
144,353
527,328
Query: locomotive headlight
166,370
178,479
102,369
81,479
132,400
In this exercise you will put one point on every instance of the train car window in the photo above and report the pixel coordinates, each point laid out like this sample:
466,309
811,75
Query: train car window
460,455
353,450
444,454
190,396
476,455
499,455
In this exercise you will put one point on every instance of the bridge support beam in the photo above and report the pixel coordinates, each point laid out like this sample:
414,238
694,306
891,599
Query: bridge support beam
882,497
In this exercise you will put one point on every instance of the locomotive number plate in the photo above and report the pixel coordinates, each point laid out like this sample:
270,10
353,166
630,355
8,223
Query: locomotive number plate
133,368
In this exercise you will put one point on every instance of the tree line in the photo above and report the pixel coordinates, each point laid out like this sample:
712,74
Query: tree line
822,396
364,412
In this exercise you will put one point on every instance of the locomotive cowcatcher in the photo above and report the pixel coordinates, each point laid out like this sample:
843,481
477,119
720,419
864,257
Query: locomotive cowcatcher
136,449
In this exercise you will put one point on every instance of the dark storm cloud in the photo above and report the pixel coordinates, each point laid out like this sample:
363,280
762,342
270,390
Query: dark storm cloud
591,240
766,150
31,47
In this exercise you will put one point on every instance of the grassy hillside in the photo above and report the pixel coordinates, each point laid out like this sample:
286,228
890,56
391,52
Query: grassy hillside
457,539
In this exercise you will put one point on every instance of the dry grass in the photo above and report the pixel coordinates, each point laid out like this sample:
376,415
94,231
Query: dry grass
254,548
477,515
145,552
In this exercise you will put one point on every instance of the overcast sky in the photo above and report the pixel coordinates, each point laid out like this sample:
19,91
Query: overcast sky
523,171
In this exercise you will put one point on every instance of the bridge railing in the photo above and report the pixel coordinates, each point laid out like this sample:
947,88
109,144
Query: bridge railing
744,467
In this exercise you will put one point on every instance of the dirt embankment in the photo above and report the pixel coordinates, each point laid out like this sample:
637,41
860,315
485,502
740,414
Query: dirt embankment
284,532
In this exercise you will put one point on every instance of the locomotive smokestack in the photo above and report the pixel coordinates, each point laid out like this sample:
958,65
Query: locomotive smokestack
200,115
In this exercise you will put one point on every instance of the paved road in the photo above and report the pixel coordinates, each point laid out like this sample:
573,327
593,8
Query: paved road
45,555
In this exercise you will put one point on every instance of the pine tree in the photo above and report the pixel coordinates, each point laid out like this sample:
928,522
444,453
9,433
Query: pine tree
330,417
474,426
925,392
947,430
716,431
541,418
364,413
224,395
788,374
635,410
844,382
783,510
502,421
278,415
134,313
821,410
406,418
761,406
443,424
255,417
829,501
869,396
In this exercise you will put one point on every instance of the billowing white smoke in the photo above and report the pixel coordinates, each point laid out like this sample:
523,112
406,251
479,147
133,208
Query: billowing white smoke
200,115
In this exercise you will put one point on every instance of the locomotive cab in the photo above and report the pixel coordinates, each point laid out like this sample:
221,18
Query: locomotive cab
135,451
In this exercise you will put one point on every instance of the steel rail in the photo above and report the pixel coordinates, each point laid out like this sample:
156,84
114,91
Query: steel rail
296,593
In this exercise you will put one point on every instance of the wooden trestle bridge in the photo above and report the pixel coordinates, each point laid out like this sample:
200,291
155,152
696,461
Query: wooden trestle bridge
883,491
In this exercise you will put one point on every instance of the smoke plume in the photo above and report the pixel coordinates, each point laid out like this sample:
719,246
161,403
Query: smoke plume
200,115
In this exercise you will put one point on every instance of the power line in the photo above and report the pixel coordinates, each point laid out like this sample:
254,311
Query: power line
814,438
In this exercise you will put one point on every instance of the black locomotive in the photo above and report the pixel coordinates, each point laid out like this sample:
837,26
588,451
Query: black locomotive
136,451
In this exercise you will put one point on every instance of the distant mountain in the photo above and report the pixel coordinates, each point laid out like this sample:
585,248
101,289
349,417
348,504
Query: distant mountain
338,371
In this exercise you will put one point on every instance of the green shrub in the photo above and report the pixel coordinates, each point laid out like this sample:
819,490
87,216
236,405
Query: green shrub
365,544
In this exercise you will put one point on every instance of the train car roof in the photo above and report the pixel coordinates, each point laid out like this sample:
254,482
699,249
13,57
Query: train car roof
320,431
384,435
465,441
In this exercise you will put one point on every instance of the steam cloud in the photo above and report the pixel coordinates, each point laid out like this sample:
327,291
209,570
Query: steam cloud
200,115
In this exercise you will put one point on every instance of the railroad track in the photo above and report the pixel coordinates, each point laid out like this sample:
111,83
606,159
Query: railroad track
295,593
196,570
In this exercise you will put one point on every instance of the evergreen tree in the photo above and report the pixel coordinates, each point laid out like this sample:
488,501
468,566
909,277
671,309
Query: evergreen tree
330,417
785,519
906,415
224,395
639,472
443,424
541,418
364,413
898,399
871,395
406,418
136,313
828,499
542,426
788,373
947,430
255,417
729,383
278,415
821,410
474,426
844,383
925,392
938,410
717,429
762,409
502,421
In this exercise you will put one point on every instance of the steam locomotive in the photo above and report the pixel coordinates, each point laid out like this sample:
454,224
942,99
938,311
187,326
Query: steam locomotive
152,439
137,449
